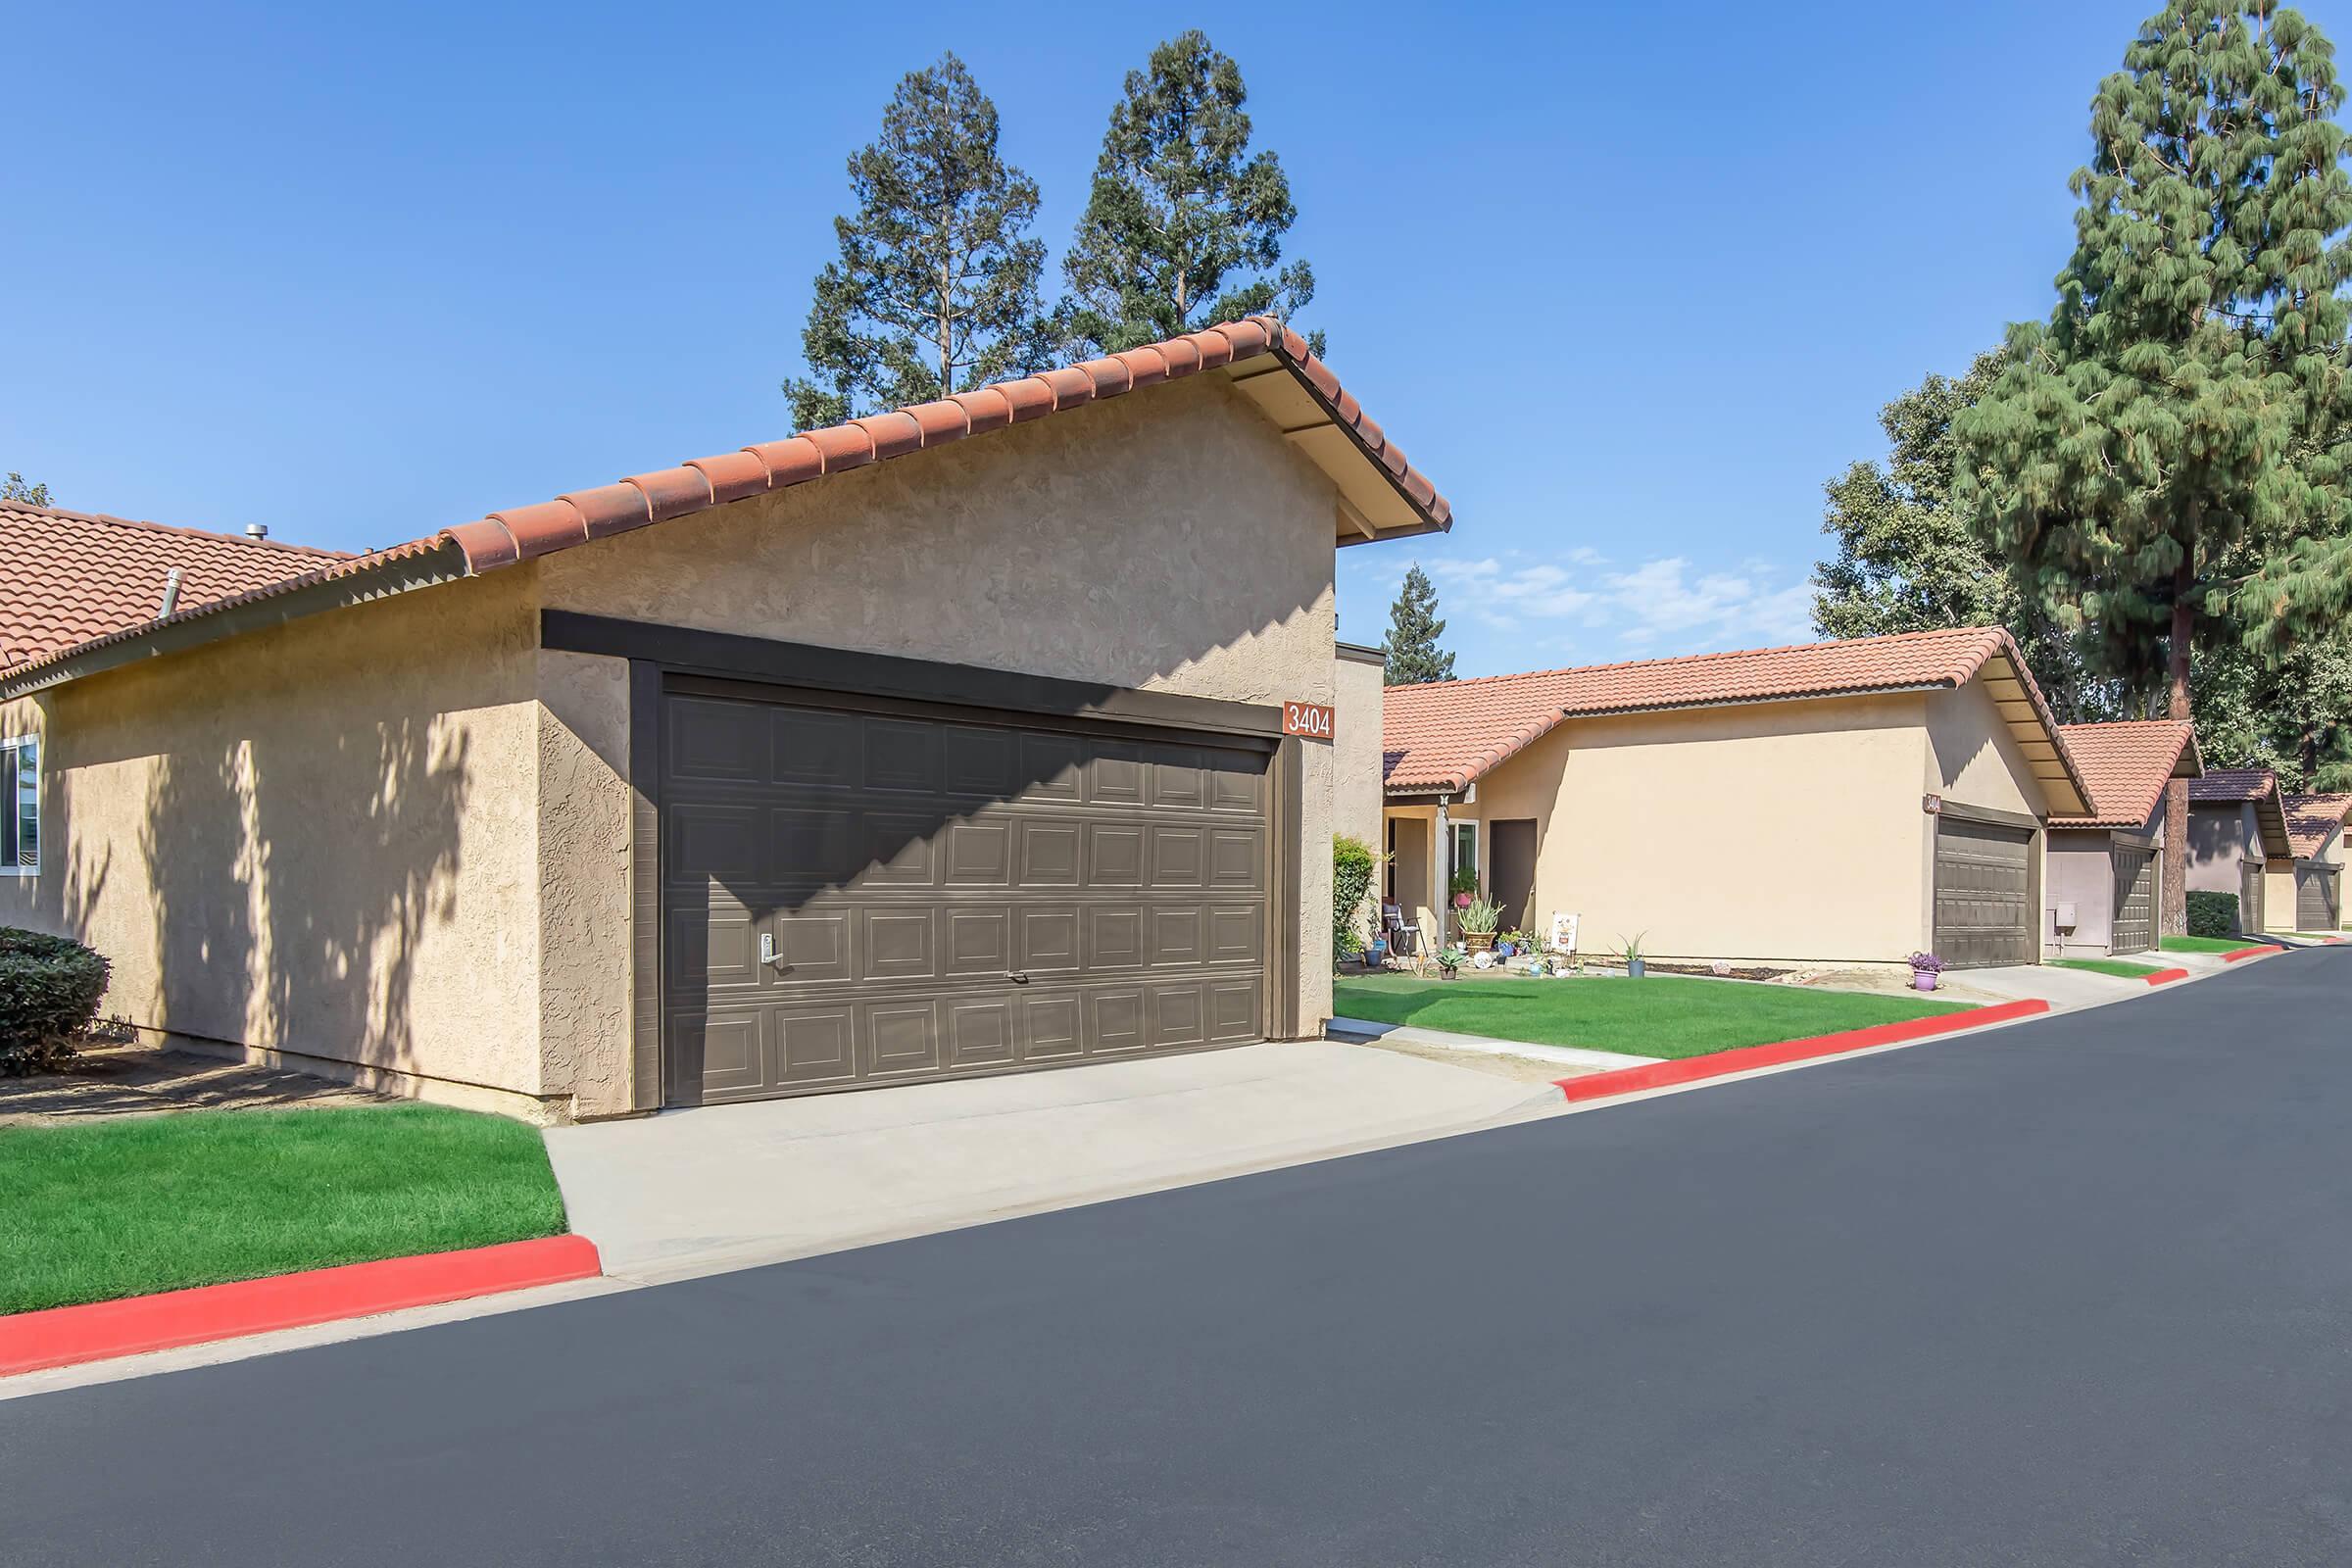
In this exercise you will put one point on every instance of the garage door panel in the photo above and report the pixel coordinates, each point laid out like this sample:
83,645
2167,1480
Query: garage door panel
1050,854
1176,937
980,1033
902,1038
895,944
909,869
1052,1028
1114,856
2134,927
979,854
1177,1015
807,747
1179,857
1233,1010
811,1046
1048,939
1115,936
1114,776
903,755
1114,1023
979,942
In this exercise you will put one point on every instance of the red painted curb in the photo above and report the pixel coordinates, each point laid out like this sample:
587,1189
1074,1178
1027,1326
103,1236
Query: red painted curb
2250,952
2165,977
64,1335
1746,1058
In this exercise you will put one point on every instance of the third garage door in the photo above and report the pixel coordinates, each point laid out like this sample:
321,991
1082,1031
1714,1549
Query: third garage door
2135,925
943,897
1983,893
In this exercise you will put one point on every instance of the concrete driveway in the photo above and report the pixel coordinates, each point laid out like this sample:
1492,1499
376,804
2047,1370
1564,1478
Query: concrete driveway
694,1192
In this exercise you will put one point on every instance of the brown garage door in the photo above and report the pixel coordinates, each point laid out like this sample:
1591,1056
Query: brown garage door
855,898
2251,917
2135,926
2318,898
1983,893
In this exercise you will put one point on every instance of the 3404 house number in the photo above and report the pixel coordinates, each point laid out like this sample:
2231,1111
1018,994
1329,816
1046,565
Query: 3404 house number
1307,718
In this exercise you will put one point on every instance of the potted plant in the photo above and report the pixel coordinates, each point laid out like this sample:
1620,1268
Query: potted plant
1449,960
1477,922
1925,969
1634,964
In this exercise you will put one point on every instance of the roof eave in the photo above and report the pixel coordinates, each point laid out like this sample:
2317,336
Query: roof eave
208,624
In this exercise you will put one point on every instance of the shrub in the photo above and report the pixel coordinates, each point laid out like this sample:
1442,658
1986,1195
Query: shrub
49,992
2212,915
1351,864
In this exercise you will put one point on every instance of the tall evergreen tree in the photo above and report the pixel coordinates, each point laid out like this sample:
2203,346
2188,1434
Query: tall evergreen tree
1184,225
1411,645
13,488
1908,560
936,289
2186,392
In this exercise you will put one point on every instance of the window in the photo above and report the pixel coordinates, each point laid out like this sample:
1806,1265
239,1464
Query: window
20,805
1466,850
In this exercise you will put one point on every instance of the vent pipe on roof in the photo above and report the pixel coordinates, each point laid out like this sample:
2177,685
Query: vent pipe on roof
256,530
170,594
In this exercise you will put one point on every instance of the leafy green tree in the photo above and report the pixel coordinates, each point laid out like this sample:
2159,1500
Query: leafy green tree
2186,393
1411,645
936,287
13,488
2291,713
1907,559
1184,225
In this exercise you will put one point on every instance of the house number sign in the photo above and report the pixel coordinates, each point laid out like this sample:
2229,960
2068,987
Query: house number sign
1312,720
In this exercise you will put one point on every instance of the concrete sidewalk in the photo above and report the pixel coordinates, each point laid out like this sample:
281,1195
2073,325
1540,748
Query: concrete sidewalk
694,1192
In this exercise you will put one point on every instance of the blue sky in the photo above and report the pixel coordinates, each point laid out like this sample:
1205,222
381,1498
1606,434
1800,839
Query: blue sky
1628,282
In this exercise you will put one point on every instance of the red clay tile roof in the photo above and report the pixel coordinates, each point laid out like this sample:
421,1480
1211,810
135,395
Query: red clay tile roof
69,577
1441,736
2223,785
2313,819
521,533
2125,766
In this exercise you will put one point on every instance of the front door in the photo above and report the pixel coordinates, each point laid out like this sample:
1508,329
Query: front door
1512,870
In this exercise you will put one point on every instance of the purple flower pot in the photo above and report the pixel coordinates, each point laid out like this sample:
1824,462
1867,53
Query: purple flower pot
1923,979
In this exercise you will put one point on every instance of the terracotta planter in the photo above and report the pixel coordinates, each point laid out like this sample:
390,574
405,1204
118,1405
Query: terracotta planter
1478,941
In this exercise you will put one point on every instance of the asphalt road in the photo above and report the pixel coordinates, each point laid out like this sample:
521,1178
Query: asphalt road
2075,1292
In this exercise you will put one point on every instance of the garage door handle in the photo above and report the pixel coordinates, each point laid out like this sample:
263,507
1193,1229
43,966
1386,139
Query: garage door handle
1016,977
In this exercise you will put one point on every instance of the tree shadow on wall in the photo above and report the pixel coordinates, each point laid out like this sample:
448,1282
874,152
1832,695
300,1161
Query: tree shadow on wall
295,880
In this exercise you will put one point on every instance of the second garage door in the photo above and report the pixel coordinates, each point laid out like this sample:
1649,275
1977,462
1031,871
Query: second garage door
2318,898
855,898
1983,893
2135,926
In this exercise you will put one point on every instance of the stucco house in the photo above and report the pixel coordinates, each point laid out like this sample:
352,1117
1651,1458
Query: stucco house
2315,831
2106,865
1834,803
2238,842
947,741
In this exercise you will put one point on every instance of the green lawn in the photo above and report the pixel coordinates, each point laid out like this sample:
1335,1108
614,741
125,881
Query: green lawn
95,1209
1664,1015
2121,968
2206,944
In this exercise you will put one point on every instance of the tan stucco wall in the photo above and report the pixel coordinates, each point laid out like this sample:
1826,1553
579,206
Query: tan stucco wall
1166,541
1787,831
317,839
2219,836
2278,895
1355,760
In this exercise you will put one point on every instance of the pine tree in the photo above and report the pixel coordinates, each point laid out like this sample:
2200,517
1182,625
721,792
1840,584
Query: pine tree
936,289
1908,560
1184,225
1414,654
2186,393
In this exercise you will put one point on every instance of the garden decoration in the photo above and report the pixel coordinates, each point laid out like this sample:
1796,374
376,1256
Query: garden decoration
1926,968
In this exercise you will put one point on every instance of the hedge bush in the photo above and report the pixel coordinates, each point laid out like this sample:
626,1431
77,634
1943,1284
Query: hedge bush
49,992
2213,915
1351,864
